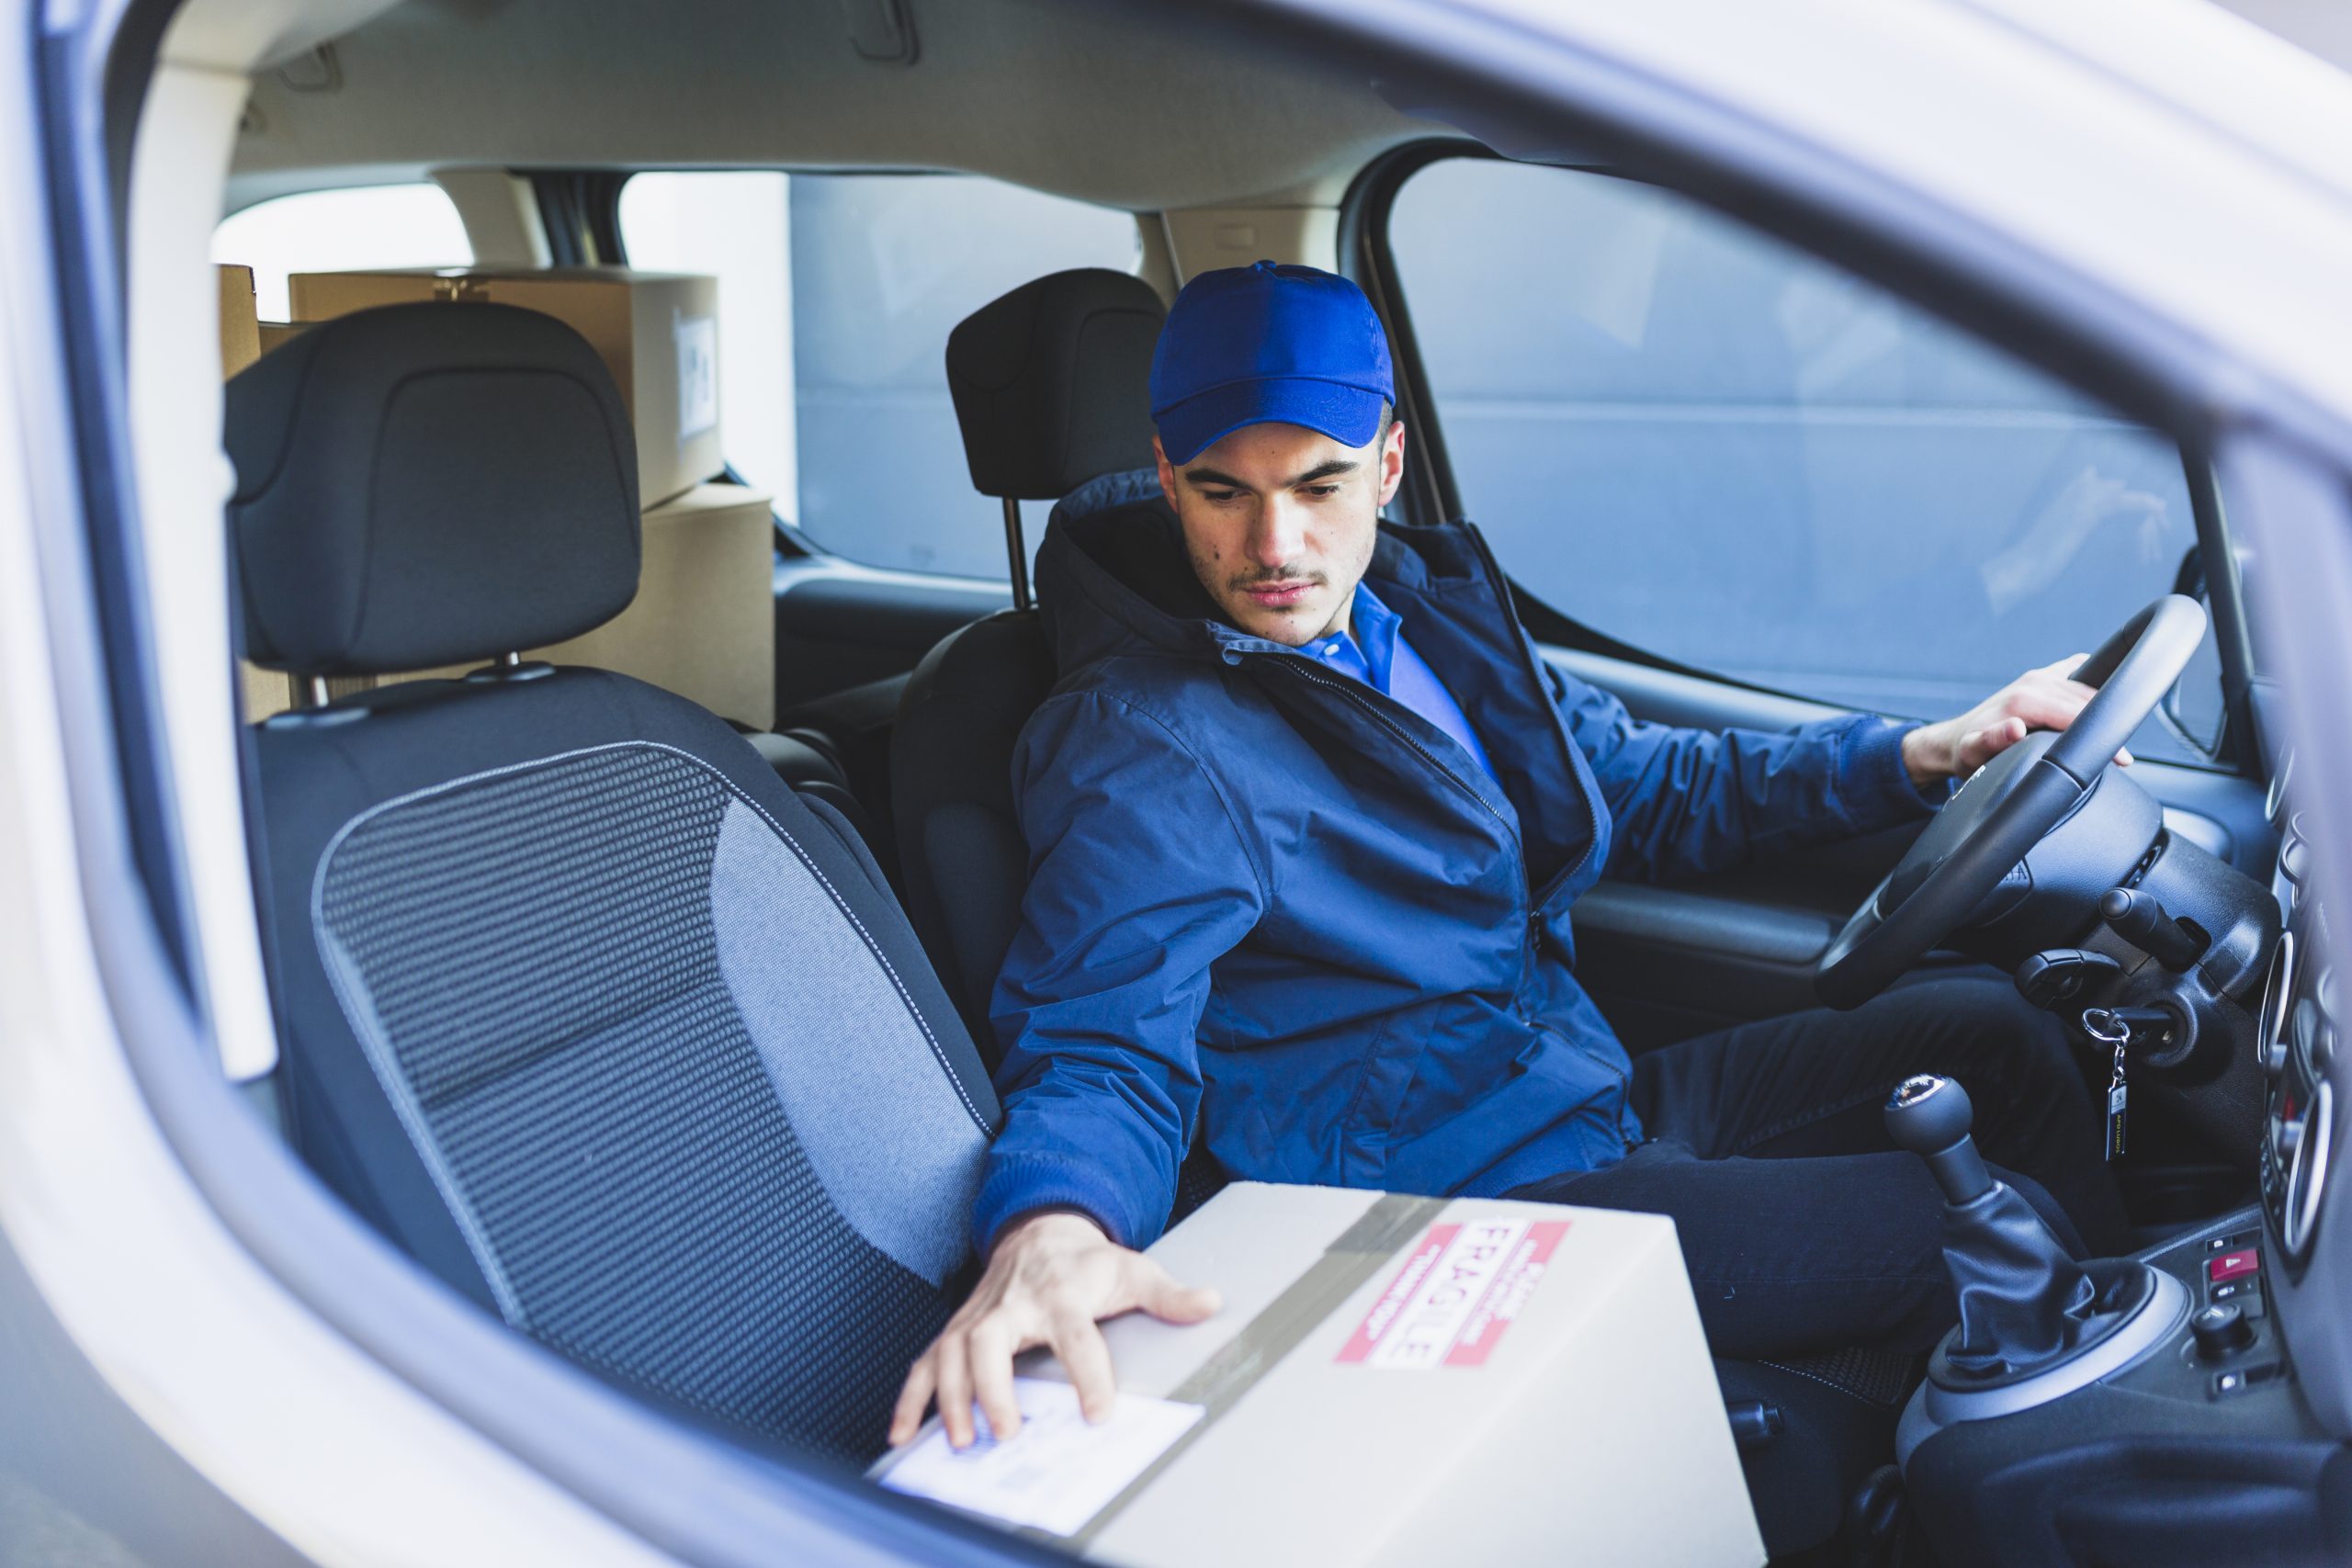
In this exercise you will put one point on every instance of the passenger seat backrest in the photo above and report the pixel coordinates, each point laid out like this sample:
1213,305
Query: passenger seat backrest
580,1005
1050,384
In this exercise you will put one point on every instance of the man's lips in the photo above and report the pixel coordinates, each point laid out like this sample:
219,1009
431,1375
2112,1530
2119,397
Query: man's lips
1278,595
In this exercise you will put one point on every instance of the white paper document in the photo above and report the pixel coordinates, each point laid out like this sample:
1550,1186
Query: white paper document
1058,1473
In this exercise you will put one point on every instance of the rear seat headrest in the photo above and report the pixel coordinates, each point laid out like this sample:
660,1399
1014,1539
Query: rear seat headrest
1052,383
426,484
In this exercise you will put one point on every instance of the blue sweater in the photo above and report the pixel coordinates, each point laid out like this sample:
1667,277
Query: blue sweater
1276,911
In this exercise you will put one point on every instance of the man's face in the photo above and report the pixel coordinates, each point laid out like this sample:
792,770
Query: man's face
1280,522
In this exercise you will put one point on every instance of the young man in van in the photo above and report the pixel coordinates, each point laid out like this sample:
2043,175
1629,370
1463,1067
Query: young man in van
1305,816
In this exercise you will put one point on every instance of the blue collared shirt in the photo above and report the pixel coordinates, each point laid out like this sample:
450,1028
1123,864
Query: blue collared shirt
1373,651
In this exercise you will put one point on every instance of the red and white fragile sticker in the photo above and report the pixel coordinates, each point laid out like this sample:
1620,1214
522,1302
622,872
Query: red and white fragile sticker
1460,1286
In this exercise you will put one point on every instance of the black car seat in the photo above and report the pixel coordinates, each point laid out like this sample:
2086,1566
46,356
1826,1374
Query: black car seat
579,1004
1049,383
810,761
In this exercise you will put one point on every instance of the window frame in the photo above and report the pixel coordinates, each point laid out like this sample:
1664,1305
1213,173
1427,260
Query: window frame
1367,256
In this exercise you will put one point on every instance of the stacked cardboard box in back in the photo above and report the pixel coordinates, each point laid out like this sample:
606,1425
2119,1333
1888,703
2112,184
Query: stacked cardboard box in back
703,623
657,331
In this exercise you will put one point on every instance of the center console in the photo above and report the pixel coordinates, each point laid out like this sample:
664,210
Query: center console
2207,1424
2202,1450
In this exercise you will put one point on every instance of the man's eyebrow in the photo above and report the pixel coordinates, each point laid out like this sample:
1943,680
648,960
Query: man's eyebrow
1336,467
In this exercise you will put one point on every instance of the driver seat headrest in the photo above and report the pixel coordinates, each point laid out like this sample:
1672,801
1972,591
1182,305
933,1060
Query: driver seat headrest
428,484
1051,383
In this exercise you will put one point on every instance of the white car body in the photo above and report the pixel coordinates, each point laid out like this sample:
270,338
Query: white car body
2182,175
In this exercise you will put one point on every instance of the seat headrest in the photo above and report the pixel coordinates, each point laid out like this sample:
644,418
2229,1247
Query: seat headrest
1052,382
427,484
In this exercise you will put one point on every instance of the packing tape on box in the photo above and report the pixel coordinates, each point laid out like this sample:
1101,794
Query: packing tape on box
1353,1258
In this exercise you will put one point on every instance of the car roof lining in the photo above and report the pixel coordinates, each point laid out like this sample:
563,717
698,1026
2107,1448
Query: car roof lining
1126,107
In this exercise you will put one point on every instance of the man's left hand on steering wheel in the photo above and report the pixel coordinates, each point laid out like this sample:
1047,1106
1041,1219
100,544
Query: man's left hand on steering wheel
2047,698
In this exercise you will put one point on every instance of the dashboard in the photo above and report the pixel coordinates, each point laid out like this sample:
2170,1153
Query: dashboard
2296,1036
2227,1441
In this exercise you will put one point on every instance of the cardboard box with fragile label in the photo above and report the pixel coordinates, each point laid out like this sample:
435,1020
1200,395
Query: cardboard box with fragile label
658,332
1392,1380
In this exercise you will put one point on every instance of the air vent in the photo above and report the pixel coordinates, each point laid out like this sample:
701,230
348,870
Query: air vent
2307,1178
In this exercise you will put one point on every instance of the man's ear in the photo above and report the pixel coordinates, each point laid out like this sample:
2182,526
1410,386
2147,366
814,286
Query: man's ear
1392,462
1167,471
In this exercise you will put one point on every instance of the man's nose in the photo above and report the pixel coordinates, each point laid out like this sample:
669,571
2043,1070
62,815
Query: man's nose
1278,537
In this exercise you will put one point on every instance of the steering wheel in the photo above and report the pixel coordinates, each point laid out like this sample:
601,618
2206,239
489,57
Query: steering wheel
2006,808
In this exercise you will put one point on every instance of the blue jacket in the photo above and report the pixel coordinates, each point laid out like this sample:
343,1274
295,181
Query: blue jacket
1275,911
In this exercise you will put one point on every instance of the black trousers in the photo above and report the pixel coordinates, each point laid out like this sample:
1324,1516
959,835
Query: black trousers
1803,1226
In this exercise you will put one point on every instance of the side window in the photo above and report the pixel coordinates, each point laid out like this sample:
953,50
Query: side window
333,231
836,295
1699,441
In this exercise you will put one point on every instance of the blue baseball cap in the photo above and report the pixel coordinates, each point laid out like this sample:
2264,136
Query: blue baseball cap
1268,343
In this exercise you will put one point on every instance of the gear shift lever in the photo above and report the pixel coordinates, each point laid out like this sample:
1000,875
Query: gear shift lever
1931,1116
2035,1324
2024,1304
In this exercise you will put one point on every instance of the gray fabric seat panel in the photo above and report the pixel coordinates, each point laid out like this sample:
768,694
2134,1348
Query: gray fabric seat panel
532,961
787,959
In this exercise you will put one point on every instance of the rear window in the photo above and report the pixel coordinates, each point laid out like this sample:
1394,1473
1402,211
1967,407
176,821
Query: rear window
836,295
340,231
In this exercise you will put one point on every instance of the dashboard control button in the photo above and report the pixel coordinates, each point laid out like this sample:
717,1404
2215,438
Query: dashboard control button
2235,1264
2237,1380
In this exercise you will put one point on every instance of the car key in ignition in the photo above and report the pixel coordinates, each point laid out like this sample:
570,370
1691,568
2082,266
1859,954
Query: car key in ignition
2110,1028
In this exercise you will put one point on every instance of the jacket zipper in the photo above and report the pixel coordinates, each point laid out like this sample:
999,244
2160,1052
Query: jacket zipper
1401,733
1533,905
1533,918
1533,912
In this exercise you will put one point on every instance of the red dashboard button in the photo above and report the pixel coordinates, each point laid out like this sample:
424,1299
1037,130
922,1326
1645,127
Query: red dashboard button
2232,1265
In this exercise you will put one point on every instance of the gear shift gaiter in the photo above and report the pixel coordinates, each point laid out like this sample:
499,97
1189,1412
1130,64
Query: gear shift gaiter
2024,1302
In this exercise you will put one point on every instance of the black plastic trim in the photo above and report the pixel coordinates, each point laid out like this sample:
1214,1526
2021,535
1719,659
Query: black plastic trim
1429,494
2232,633
579,211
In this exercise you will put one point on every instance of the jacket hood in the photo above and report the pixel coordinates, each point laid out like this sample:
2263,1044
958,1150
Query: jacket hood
1113,577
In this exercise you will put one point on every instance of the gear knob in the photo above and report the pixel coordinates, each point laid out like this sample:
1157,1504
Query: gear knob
1931,1116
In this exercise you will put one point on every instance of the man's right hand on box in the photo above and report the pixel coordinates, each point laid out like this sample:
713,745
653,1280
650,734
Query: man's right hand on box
1054,1275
